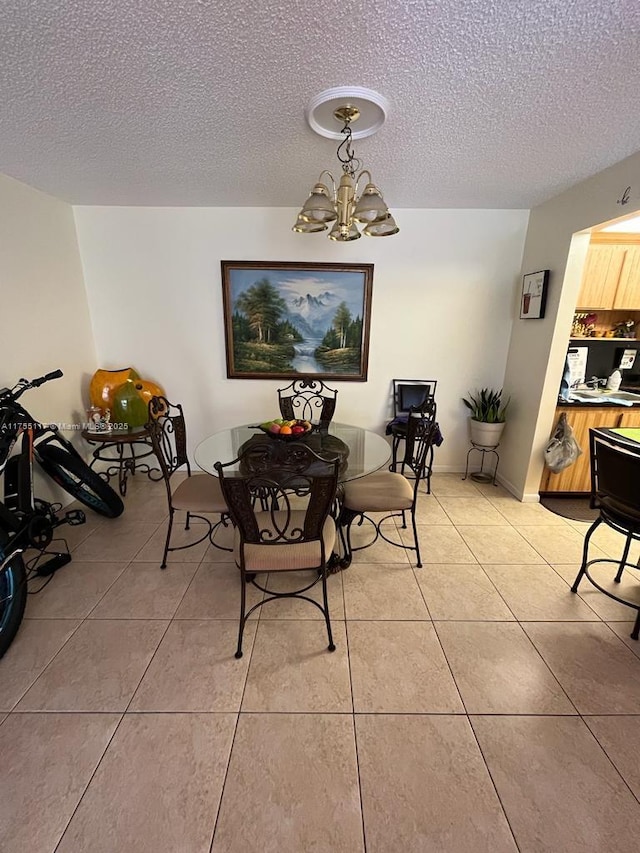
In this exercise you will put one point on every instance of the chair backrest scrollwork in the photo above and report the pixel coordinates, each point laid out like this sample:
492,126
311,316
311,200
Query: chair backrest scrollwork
308,399
421,425
259,494
168,433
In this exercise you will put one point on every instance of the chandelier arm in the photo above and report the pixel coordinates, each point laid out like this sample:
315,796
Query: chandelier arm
333,183
357,180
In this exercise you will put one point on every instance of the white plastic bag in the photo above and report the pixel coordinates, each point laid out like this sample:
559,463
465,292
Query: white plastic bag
563,449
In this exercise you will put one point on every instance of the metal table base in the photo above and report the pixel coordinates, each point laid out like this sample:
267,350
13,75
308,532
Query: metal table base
121,465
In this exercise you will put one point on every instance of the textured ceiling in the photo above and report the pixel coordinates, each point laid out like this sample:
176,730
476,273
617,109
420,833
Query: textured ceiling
494,103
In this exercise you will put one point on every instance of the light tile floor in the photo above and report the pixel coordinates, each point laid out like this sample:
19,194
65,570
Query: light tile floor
474,704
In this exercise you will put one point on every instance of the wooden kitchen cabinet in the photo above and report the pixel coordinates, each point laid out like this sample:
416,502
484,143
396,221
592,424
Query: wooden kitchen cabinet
628,290
611,276
630,418
601,276
577,477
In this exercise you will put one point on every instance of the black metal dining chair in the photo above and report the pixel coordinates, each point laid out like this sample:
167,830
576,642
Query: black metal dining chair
198,493
416,395
263,489
308,399
392,493
615,492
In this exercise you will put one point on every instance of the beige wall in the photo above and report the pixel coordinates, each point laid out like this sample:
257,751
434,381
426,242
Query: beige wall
538,347
46,322
441,305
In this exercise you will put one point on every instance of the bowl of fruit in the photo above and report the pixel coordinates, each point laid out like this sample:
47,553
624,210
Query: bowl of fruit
287,430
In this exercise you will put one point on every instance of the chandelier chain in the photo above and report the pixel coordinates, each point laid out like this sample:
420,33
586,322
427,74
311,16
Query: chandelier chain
350,163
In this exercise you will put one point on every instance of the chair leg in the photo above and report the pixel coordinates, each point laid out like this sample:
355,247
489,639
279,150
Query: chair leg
404,520
163,565
331,645
345,520
415,539
395,443
428,468
636,627
623,560
243,587
186,524
585,554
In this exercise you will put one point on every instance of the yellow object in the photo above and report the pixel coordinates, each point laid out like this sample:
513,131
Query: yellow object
147,390
104,384
124,393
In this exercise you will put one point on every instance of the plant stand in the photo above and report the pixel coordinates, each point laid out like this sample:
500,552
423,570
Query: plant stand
482,476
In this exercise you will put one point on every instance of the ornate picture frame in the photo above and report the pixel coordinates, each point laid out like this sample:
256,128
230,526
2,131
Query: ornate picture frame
285,319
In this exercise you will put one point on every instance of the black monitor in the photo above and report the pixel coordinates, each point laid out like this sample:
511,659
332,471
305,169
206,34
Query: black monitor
412,395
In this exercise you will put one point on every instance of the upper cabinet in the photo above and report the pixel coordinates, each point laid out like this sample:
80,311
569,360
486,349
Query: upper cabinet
611,278
628,290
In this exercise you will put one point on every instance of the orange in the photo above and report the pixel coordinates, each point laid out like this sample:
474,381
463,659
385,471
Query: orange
285,430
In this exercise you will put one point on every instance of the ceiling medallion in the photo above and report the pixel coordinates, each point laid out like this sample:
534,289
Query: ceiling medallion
343,204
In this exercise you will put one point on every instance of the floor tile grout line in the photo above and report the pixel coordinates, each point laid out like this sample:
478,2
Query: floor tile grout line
578,593
426,604
491,581
493,782
235,730
151,659
226,775
608,757
444,654
90,780
362,820
548,666
355,736
49,662
117,578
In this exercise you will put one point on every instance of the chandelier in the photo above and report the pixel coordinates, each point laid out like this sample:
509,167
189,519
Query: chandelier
344,204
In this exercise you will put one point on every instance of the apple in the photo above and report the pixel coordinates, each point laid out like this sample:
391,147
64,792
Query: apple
274,428
296,430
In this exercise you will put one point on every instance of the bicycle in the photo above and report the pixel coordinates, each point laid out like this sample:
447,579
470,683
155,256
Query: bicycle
27,522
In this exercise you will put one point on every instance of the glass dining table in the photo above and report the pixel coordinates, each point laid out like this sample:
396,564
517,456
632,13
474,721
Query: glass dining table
362,450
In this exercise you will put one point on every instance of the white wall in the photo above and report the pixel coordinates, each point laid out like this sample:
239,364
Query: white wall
44,305
442,308
538,347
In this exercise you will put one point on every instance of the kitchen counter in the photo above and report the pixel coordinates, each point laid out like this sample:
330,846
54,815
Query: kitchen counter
601,397
597,404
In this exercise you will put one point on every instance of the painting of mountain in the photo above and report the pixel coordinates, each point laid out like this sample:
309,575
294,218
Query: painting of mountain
286,319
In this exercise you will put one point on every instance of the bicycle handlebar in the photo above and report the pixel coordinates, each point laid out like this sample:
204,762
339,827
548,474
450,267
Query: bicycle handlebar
55,374
23,385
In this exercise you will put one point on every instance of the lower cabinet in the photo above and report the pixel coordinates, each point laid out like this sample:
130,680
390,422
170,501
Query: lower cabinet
630,419
577,477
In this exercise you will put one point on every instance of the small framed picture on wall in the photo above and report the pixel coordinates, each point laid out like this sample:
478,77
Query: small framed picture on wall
533,298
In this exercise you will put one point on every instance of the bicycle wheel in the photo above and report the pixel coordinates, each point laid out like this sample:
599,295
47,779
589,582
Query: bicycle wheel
13,597
75,477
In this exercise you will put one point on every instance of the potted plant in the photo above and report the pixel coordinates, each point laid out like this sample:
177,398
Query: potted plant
488,416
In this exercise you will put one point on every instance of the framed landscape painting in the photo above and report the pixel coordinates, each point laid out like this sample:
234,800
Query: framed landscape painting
285,319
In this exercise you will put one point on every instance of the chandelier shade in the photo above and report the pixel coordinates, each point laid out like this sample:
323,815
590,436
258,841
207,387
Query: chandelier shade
305,226
370,206
385,228
344,204
319,207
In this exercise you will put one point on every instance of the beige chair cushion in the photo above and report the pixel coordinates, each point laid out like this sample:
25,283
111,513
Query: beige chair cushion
285,558
199,493
382,491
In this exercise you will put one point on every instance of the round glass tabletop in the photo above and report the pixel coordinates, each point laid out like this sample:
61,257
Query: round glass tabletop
367,451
